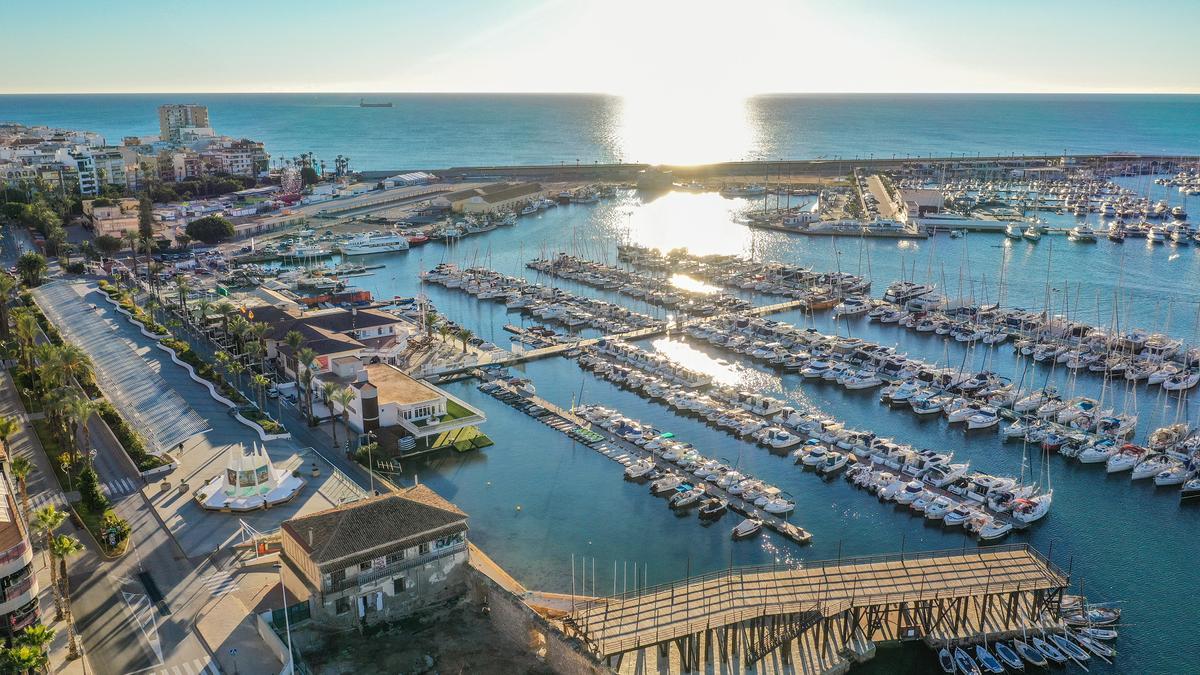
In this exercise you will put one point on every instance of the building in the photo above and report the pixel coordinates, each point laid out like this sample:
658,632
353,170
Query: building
113,217
179,119
405,415
366,334
492,197
379,558
18,576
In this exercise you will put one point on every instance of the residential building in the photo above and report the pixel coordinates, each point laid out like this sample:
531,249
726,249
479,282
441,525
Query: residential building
18,575
179,119
113,217
369,335
379,558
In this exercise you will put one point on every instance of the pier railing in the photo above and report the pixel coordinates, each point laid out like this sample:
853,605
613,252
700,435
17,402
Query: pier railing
744,570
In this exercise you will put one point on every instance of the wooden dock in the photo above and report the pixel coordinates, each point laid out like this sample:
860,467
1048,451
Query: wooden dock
744,615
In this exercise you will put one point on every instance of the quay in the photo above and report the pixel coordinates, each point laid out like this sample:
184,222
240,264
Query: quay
625,453
816,616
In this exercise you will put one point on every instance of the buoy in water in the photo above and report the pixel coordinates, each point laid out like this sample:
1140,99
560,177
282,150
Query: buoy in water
518,507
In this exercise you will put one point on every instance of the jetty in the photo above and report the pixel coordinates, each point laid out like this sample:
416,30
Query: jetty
815,617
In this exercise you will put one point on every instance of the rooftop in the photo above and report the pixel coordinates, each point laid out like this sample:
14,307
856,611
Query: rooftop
396,387
404,518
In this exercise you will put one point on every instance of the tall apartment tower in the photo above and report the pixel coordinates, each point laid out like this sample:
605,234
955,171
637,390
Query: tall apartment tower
174,117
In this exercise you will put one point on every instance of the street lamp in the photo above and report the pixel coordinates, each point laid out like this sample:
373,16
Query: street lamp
287,621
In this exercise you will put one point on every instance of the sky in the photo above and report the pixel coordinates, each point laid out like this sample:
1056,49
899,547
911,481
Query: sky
647,48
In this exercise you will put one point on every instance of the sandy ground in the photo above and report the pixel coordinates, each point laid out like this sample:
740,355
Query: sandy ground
458,639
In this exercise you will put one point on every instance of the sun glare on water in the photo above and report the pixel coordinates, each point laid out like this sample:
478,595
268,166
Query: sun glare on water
673,127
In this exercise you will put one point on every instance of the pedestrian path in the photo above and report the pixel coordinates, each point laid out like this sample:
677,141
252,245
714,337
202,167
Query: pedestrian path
220,582
41,499
119,487
201,666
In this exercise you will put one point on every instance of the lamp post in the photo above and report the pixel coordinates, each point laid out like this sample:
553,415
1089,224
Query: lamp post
287,621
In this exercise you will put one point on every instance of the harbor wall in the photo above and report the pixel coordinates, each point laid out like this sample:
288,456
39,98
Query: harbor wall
520,623
758,169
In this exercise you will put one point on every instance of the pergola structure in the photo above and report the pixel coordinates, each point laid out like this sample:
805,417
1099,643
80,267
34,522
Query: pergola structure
150,405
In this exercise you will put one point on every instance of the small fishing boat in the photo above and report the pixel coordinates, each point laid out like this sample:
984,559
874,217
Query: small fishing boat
1008,656
946,660
1094,616
1048,650
1095,646
747,528
1031,655
1069,648
1098,633
713,509
987,661
966,664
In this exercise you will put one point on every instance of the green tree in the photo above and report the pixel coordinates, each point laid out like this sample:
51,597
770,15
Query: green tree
89,491
32,267
8,286
260,383
25,659
45,521
293,340
21,467
63,547
308,176
464,335
183,240
344,397
145,217
210,229
107,245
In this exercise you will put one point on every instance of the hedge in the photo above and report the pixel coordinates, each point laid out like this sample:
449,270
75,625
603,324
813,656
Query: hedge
134,446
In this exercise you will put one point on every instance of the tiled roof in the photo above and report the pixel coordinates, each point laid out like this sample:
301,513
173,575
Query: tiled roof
358,529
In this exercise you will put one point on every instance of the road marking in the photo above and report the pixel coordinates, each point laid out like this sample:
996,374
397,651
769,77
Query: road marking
219,583
118,487
143,613
188,668
44,498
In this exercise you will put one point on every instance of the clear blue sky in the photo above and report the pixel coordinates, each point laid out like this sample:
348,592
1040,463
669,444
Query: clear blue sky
619,46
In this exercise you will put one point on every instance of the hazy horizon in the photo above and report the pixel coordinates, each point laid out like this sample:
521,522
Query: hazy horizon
621,47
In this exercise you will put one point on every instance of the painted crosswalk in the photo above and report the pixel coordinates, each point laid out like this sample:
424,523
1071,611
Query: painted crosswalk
119,487
220,582
37,501
202,666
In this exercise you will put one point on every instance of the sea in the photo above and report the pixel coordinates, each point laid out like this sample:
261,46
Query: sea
433,131
557,514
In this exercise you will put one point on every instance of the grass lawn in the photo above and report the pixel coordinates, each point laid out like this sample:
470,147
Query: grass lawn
455,411
92,522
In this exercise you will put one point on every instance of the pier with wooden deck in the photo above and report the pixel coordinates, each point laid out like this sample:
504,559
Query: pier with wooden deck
816,617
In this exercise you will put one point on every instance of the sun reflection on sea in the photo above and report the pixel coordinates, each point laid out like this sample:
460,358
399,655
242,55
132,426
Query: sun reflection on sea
701,223
734,374
693,284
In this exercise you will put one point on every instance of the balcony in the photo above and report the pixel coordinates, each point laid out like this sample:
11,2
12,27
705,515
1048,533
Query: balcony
14,553
386,571
18,589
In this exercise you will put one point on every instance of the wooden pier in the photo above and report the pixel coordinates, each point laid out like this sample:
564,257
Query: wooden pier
825,613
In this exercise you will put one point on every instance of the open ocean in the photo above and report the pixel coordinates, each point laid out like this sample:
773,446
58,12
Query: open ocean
431,131
1125,541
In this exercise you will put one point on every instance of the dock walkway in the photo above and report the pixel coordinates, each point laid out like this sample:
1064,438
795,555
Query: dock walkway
940,597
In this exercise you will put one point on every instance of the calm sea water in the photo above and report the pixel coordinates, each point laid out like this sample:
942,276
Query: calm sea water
1124,541
437,131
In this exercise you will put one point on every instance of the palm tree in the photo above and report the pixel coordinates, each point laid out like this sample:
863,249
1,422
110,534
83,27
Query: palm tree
80,409
26,658
430,318
444,331
306,380
7,286
202,307
327,391
27,330
21,467
465,335
227,312
8,427
62,547
260,383
259,330
45,521
236,369
343,397
304,358
293,340
182,288
131,238
239,327
74,362
38,636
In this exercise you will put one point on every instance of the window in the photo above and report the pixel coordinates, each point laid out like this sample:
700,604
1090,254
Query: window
337,576
399,585
364,566
342,605
396,557
423,549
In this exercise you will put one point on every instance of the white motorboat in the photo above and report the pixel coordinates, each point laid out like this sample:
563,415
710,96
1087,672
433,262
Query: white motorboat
911,491
639,469
958,515
374,243
834,462
747,528
778,506
666,484
986,418
939,507
1098,451
994,529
